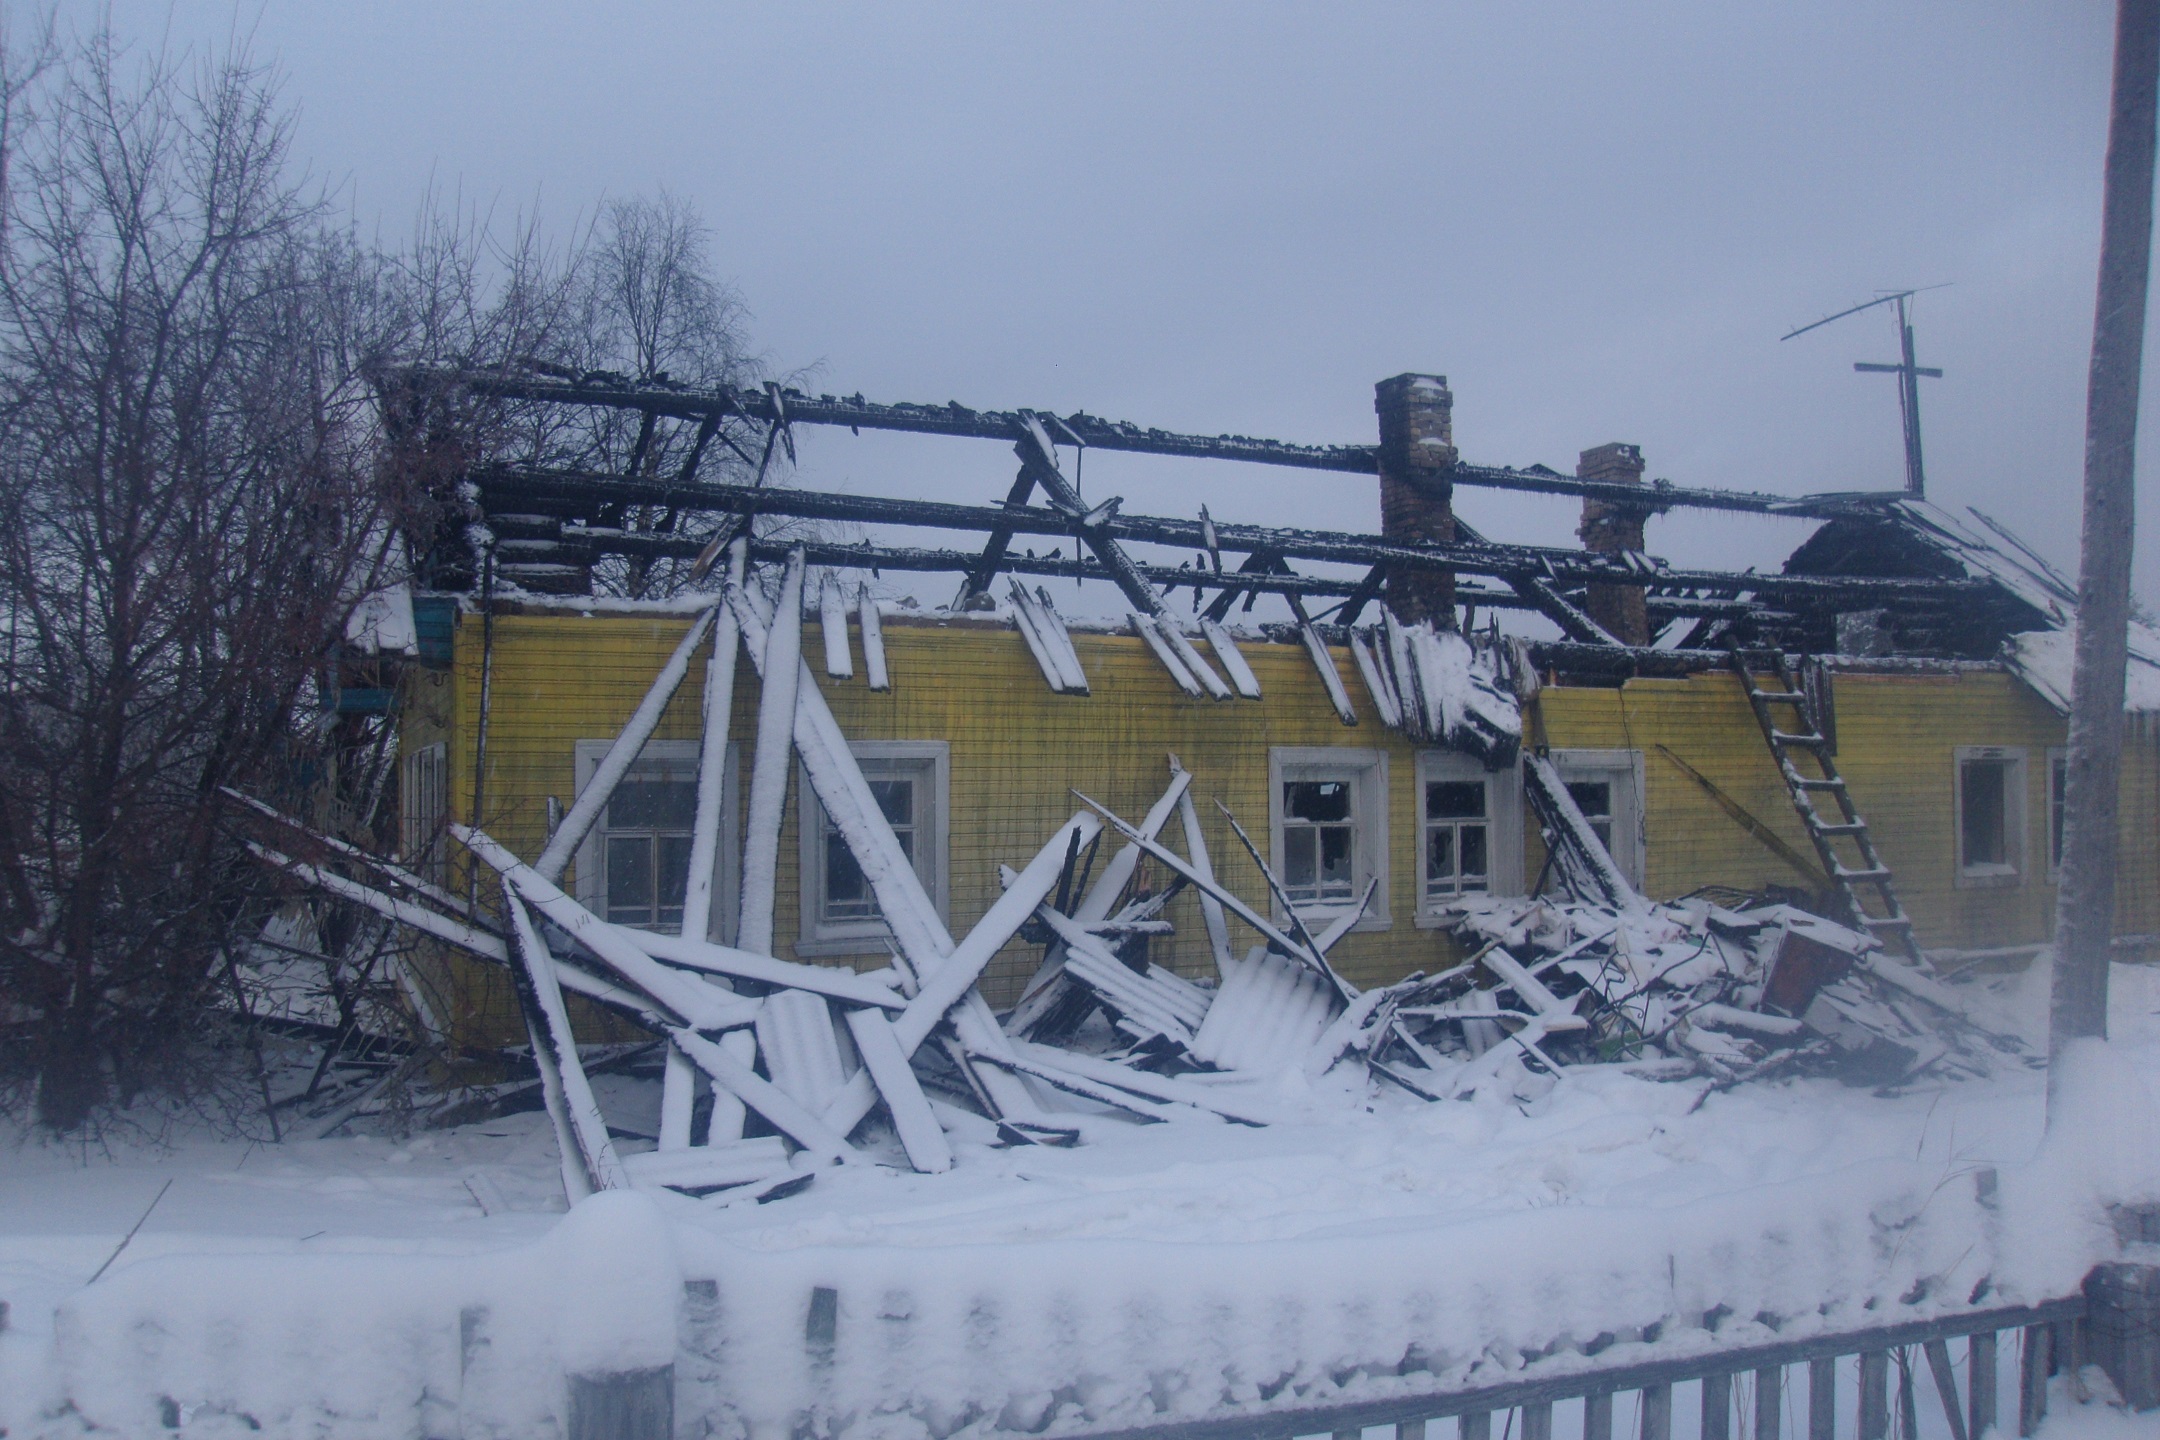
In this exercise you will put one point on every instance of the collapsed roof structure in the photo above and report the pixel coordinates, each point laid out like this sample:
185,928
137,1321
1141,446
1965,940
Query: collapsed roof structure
1885,573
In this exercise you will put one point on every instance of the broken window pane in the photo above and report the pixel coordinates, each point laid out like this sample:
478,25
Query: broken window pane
1455,838
1319,841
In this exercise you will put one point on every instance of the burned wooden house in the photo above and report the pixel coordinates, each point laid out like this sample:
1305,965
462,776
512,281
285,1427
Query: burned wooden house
1873,732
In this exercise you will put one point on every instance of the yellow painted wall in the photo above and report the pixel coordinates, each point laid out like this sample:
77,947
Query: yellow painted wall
1017,750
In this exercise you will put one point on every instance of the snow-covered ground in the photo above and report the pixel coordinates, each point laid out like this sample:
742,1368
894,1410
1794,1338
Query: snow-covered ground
367,1286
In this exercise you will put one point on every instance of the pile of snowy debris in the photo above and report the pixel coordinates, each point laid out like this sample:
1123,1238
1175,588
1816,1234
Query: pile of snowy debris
815,1052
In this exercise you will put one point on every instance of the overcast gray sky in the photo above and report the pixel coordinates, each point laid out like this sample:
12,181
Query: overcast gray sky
1595,219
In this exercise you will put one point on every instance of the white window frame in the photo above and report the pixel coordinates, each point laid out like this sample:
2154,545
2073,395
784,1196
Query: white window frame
2058,756
1624,770
2011,872
1367,772
423,807
1503,825
591,882
933,760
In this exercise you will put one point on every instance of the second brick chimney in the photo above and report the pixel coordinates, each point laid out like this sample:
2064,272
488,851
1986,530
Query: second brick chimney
1417,455
1611,528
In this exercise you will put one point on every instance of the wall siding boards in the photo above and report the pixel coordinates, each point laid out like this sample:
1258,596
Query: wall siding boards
1017,751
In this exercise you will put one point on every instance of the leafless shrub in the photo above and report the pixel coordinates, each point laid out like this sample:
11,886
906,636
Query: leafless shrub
188,506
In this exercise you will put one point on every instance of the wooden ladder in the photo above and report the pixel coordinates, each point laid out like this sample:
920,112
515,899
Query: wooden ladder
1798,735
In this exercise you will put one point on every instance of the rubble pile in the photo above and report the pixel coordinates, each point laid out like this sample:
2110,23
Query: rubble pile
1591,972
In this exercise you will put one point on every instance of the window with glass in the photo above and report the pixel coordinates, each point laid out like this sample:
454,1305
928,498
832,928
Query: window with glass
1607,787
1595,799
425,806
646,835
1458,838
847,896
1319,834
840,910
1990,805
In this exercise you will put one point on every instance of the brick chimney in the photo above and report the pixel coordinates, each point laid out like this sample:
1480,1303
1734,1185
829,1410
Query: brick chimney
1610,528
1417,455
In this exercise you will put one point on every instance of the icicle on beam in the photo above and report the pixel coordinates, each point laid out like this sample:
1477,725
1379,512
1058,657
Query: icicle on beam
583,815
556,1052
1225,648
920,1134
832,619
873,640
1376,682
769,1100
712,763
769,774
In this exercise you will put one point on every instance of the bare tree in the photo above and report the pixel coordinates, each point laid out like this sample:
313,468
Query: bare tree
187,505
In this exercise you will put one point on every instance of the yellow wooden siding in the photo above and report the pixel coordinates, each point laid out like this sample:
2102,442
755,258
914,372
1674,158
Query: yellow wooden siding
1017,751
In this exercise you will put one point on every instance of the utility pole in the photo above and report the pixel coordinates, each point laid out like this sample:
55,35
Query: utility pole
2085,899
1908,370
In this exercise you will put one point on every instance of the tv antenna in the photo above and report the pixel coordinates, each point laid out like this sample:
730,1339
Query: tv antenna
1908,372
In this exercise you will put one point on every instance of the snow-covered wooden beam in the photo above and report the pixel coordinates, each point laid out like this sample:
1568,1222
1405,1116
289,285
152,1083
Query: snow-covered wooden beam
832,620
873,640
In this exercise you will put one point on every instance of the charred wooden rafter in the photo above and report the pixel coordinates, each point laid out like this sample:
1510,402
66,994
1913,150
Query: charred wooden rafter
573,494
765,408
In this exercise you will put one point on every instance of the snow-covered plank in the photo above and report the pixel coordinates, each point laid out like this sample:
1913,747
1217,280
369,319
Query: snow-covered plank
1376,682
1174,633
829,980
1401,664
1211,910
585,813
1342,924
1205,884
956,975
719,698
693,1001
1330,678
920,1134
918,931
1222,1100
709,1167
1269,1015
769,1100
782,669
1233,661
873,640
1043,989
678,1095
1024,621
802,1053
556,1050
1058,638
832,620
388,870
1054,1072
725,1122
1157,639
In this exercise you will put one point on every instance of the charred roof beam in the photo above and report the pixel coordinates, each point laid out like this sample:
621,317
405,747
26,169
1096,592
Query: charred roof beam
955,419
